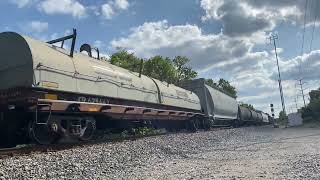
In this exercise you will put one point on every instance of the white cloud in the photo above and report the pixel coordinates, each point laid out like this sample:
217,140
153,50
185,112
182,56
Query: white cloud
37,26
111,8
246,17
121,4
107,11
72,7
205,50
309,64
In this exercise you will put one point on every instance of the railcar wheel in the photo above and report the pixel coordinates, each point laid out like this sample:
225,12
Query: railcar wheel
192,125
42,133
88,128
236,123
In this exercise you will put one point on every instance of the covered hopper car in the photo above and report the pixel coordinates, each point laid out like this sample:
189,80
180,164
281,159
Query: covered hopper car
218,107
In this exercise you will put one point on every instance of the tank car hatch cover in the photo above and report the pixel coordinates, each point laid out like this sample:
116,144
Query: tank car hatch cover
16,65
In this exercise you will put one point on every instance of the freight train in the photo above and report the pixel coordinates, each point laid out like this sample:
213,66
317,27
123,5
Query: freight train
48,92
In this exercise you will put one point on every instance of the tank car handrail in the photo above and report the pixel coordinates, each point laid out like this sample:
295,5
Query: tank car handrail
62,39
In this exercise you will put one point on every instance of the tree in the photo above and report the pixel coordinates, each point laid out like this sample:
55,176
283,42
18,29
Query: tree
160,68
126,60
283,118
312,111
223,86
227,87
249,106
211,83
183,72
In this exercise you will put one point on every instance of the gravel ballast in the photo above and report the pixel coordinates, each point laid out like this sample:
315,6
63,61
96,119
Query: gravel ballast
242,153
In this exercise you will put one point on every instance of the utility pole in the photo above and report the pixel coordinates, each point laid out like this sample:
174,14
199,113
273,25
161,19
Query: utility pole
273,38
302,93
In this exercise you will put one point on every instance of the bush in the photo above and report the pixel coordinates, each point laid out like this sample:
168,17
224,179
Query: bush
283,118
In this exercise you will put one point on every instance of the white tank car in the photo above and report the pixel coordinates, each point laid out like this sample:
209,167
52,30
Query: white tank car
245,114
26,62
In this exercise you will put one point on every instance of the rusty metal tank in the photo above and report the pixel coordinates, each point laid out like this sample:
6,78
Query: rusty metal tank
26,62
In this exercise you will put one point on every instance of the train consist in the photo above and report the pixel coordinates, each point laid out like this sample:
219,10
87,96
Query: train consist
47,92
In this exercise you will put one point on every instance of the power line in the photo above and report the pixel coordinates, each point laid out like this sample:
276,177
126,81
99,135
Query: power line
302,49
314,23
304,30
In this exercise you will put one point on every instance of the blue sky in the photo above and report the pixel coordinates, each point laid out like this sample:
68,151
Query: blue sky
223,38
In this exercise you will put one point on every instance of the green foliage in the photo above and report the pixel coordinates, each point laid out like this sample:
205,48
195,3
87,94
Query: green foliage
283,118
183,73
224,86
312,111
143,131
160,68
227,87
249,106
211,83
126,60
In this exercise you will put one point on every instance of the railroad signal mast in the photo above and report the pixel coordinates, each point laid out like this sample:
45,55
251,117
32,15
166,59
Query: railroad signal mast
272,114
273,38
272,110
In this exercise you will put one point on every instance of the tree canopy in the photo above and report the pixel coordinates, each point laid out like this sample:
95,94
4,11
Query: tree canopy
249,106
283,118
224,86
312,111
175,71
126,60
160,68
183,72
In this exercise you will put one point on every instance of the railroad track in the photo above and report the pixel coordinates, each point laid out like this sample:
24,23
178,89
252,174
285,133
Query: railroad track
28,149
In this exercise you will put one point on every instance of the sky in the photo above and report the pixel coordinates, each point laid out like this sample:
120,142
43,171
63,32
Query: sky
222,38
